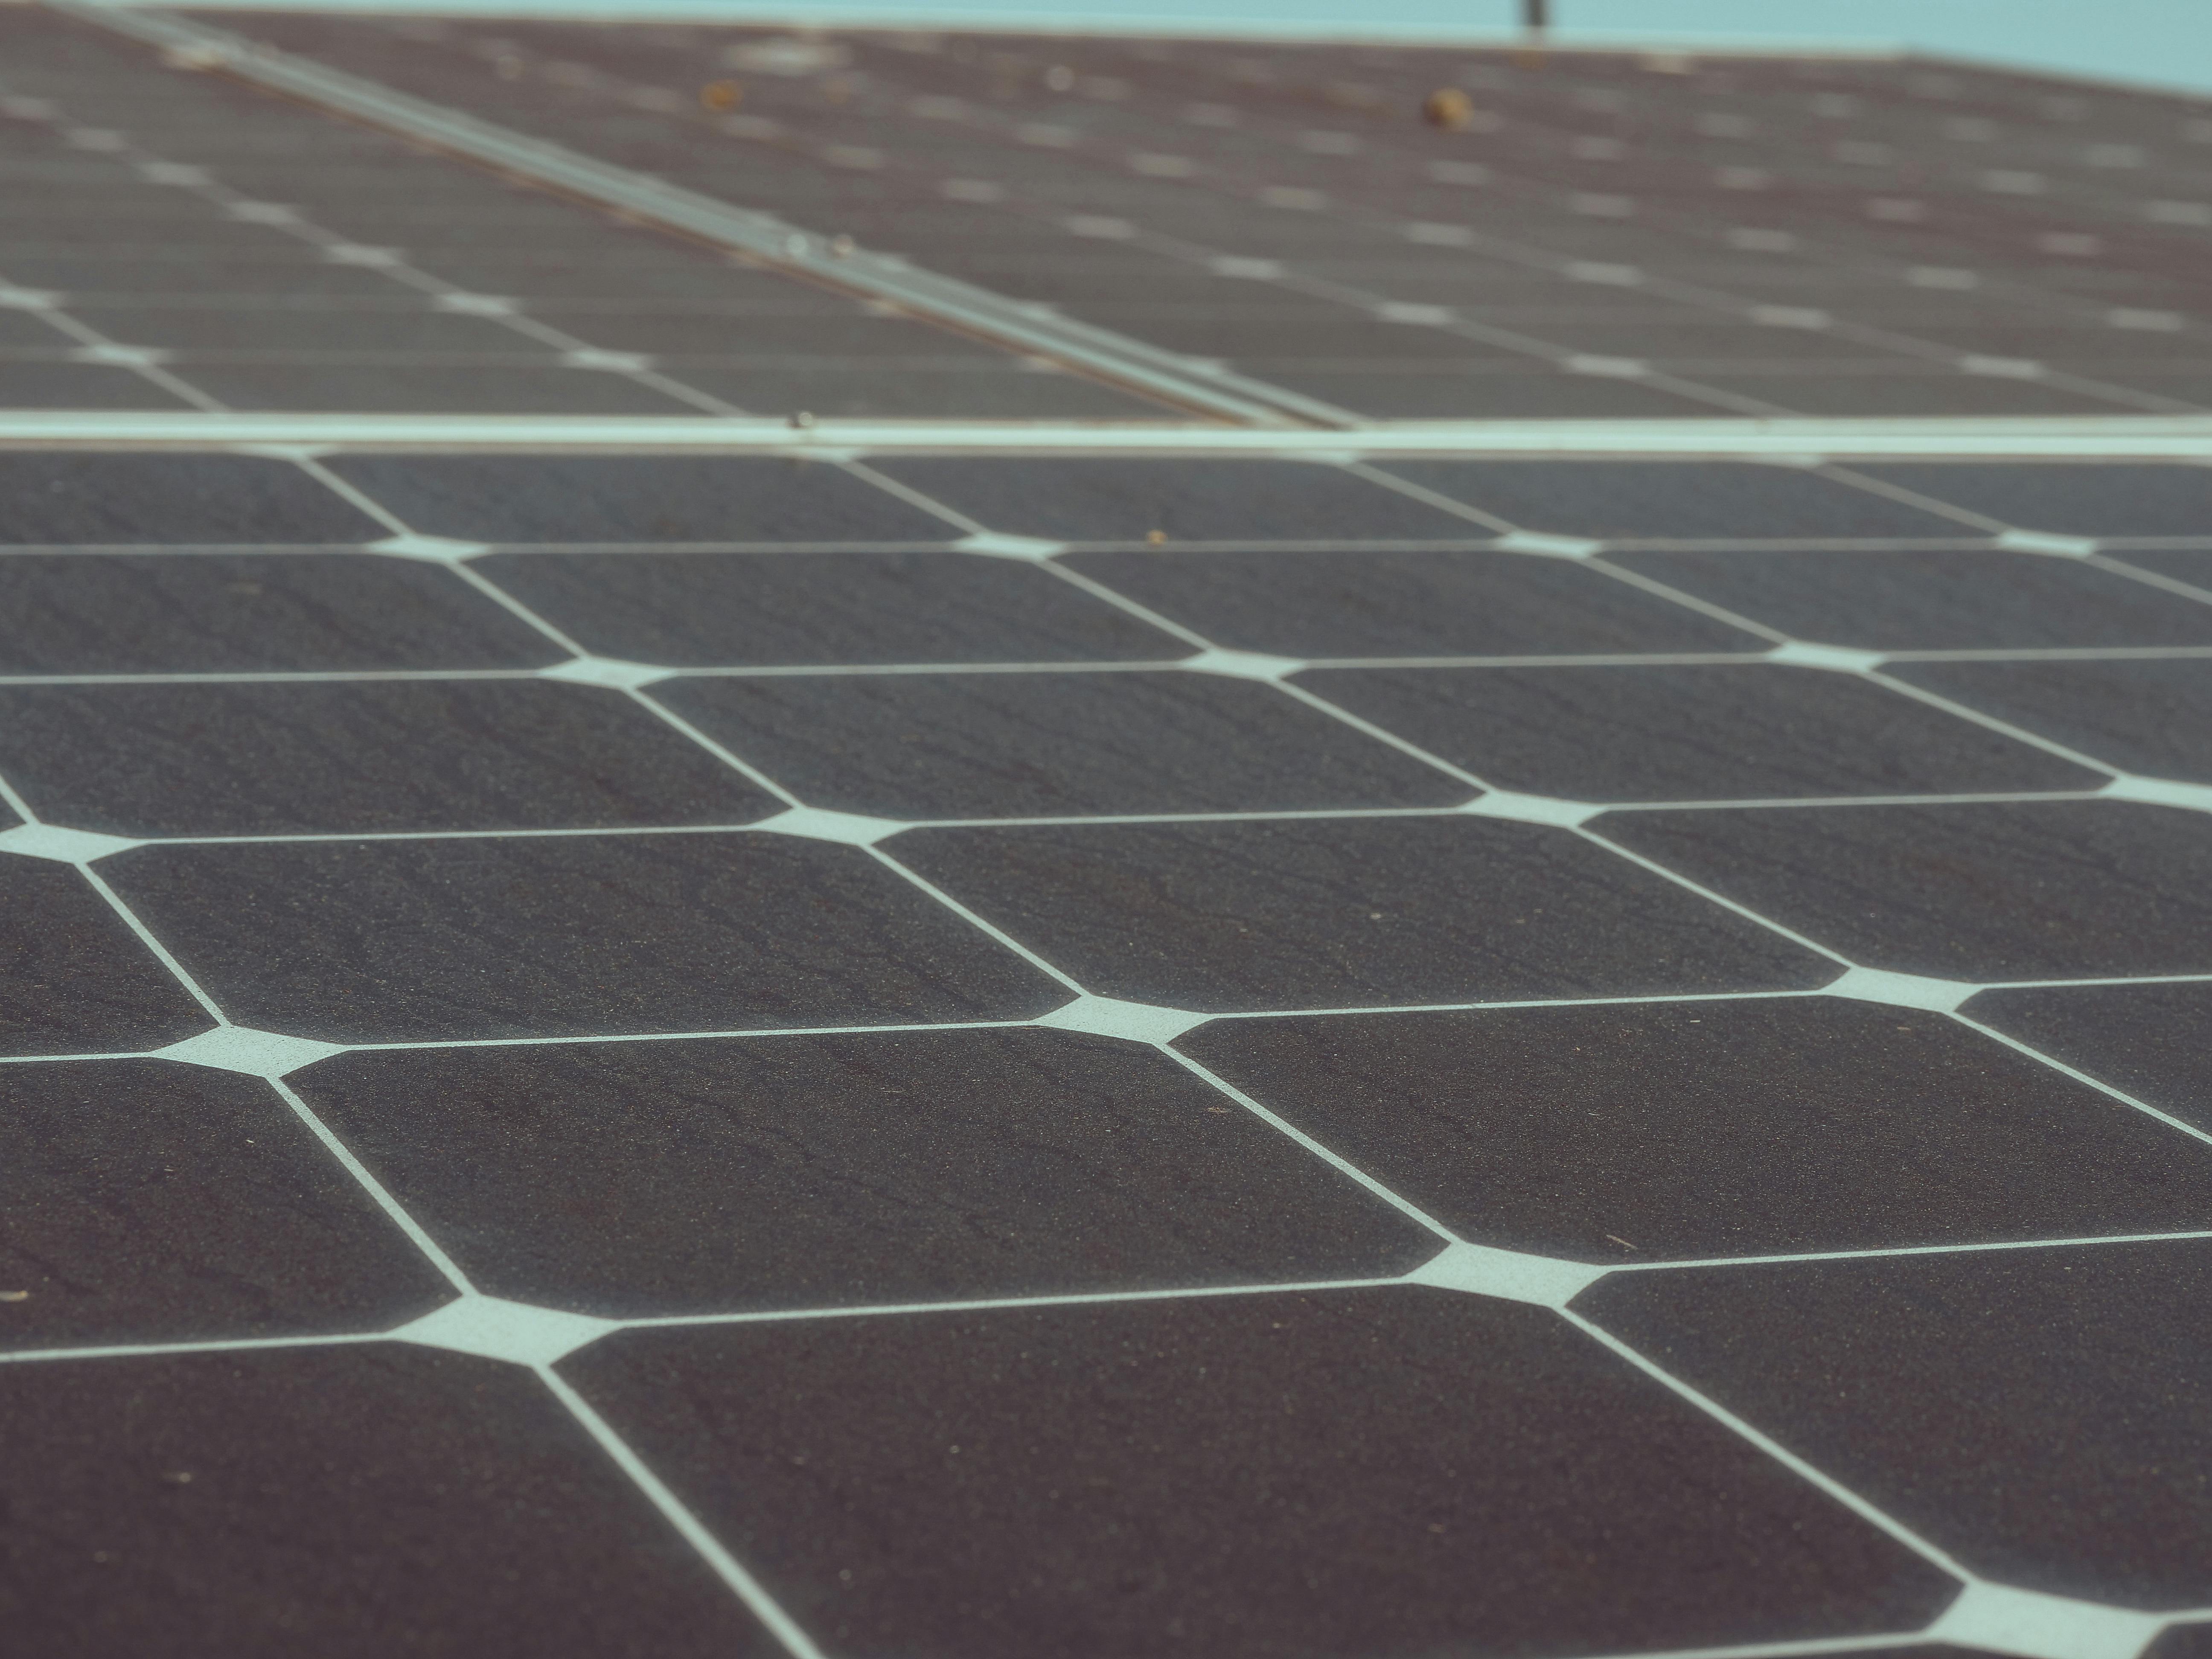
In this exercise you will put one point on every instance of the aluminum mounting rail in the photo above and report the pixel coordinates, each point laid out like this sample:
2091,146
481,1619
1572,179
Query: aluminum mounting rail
1800,440
1189,383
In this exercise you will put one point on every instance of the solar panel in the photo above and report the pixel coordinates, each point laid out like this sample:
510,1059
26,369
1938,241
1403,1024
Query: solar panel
853,843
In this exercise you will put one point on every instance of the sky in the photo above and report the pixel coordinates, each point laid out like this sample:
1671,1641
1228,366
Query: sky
2159,42
2167,43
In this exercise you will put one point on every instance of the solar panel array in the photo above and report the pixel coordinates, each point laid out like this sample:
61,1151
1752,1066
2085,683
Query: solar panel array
178,241
984,1047
1605,236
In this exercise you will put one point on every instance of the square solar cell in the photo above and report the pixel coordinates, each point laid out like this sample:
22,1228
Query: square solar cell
2143,1039
25,331
909,388
1114,1484
567,935
1288,914
156,612
822,1172
146,273
1649,500
636,498
1904,394
1955,599
2107,499
801,331
1099,500
2100,1512
1702,732
2147,714
152,1200
1633,1134
357,755
2026,890
401,388
176,1490
2188,566
700,610
342,334
989,745
74,978
26,383
1398,604
56,497
1385,393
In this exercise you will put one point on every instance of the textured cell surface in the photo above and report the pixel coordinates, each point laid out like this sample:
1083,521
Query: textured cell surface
786,892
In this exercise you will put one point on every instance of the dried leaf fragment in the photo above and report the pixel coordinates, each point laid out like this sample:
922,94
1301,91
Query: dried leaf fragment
1449,109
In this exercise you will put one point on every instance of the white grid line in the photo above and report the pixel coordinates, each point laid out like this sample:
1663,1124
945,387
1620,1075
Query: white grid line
1318,1011
2087,654
820,1312
1805,1471
782,1626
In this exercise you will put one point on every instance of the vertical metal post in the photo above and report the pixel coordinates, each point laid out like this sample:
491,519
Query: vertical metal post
1536,15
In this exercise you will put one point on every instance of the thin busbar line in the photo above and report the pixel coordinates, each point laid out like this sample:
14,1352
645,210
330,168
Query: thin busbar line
833,1311
1178,545
1746,658
1805,1470
765,824
1317,1010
